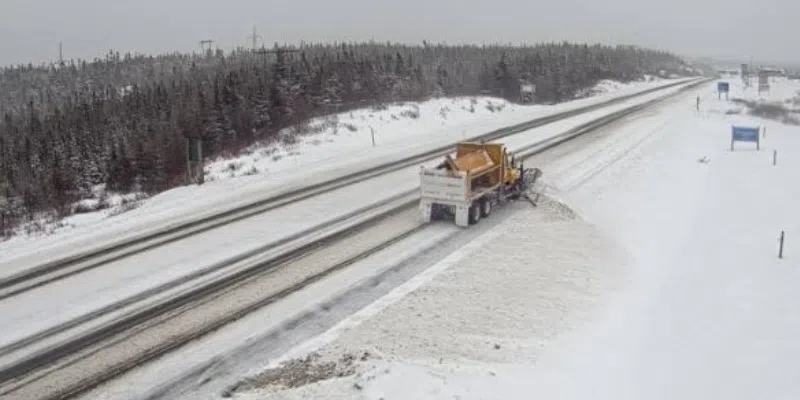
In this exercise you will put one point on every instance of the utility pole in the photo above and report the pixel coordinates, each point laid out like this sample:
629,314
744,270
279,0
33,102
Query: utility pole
61,53
255,36
203,43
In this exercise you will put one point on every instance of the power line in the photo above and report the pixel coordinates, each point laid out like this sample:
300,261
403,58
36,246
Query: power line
277,51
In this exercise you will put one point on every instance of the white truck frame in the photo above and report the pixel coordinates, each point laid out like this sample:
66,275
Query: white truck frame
442,190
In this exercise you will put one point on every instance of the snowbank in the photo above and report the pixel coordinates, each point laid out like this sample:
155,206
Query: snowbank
500,300
411,380
398,126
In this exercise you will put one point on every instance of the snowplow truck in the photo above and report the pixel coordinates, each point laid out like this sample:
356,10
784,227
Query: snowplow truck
468,186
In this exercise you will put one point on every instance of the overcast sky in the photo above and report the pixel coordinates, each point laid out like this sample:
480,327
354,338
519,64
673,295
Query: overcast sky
767,30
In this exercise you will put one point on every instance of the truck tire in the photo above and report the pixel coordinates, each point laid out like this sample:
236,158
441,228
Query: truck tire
486,207
474,213
514,191
436,212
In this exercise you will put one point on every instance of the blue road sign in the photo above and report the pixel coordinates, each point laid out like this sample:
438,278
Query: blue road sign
746,134
723,87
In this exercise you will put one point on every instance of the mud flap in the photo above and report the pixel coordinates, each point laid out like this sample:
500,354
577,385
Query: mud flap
462,216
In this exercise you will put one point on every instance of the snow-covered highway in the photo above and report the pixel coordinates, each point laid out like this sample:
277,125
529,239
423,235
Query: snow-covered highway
79,295
272,331
666,283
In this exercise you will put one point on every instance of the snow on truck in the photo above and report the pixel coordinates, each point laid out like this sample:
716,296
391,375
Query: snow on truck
468,186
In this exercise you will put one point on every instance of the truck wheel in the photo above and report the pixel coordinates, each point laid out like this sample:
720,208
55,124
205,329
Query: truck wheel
474,213
515,191
436,212
486,208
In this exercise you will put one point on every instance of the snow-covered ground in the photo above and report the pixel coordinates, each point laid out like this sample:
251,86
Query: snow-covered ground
783,93
401,126
275,329
446,333
79,295
667,284
342,144
714,311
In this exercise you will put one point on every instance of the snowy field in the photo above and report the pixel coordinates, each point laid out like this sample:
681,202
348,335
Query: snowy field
400,127
714,310
783,93
665,282
335,146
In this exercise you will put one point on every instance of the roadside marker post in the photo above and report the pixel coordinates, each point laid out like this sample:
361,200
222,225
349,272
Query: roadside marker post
194,161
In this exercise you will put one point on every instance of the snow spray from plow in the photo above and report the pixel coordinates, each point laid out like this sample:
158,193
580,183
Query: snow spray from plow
540,196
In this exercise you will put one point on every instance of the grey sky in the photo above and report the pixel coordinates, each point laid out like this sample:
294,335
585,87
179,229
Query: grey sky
763,29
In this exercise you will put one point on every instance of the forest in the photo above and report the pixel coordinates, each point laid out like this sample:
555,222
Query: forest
122,120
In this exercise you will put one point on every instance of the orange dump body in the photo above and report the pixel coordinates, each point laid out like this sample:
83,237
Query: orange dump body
483,161
475,162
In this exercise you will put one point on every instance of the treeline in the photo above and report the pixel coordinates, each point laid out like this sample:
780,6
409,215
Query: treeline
122,120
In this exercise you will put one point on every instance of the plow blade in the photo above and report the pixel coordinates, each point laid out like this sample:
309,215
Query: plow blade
531,188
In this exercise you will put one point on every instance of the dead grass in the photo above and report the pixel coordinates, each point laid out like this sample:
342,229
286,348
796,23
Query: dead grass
300,372
775,111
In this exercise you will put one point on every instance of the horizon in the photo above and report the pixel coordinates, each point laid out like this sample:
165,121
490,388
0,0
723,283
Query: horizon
88,29
230,49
